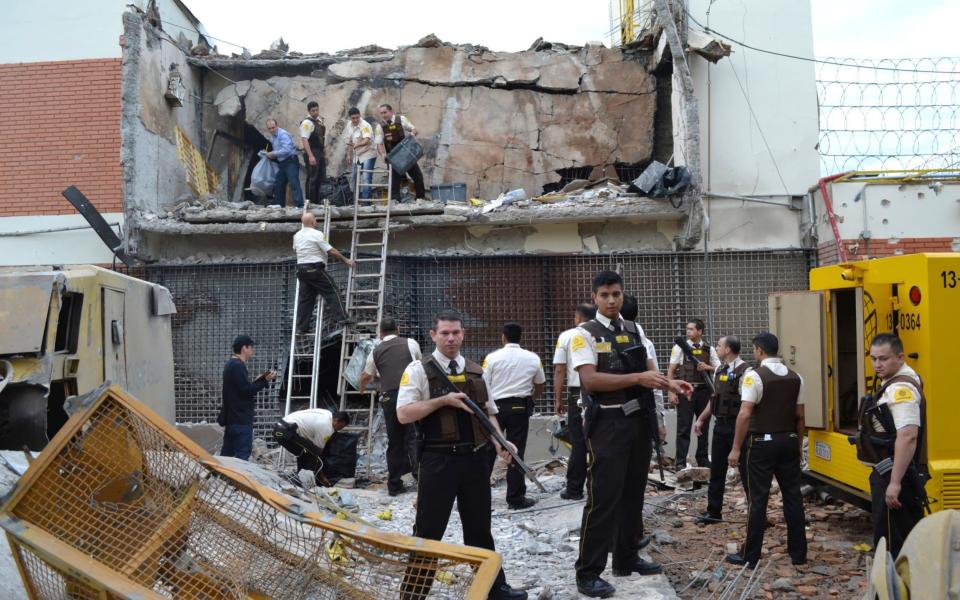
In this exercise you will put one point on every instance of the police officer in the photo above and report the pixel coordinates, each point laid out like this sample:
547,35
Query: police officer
313,133
390,131
453,464
514,379
724,406
577,465
891,440
604,354
770,427
387,361
704,359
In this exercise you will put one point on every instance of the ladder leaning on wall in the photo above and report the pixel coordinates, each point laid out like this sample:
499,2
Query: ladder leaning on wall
304,353
364,299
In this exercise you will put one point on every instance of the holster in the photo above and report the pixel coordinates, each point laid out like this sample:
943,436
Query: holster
591,410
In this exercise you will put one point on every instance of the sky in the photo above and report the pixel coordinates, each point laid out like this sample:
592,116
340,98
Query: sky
847,28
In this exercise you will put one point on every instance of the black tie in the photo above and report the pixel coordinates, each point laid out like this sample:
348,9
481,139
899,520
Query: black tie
453,367
696,346
616,326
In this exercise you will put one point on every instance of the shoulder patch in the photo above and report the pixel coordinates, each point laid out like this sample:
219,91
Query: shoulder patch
903,394
405,378
577,342
484,365
748,380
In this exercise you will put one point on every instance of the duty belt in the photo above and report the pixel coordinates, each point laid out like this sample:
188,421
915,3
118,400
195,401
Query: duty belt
465,448
313,265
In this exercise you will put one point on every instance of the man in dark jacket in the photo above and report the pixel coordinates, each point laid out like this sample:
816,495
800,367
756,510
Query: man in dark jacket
239,399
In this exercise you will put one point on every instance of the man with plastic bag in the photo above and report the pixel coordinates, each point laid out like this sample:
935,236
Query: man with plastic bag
285,155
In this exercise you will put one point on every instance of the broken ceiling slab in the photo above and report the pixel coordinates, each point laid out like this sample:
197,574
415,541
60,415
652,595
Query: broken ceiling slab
708,46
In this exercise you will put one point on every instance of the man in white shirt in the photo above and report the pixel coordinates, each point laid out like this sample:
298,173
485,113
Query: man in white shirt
453,464
391,131
724,407
388,362
312,250
890,440
514,379
313,134
703,363
304,433
569,379
360,138
770,425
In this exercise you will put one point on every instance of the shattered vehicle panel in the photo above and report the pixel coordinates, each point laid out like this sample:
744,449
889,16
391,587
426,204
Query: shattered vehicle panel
24,306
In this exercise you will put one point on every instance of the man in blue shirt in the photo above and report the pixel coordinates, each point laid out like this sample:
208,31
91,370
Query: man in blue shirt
239,399
285,153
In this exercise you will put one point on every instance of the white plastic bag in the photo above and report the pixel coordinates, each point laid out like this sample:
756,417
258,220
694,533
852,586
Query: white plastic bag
264,176
358,360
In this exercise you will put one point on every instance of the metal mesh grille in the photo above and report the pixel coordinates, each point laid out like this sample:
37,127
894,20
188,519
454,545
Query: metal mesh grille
217,302
49,582
137,500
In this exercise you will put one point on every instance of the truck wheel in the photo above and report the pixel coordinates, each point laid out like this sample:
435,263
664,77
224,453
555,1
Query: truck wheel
23,417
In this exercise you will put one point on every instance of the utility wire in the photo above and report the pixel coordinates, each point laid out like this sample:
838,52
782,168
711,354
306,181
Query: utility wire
817,60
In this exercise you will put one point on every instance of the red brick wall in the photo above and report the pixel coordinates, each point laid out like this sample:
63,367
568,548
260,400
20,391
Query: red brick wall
864,249
60,124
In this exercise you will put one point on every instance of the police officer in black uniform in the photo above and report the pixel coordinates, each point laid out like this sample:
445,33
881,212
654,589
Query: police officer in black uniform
609,355
312,135
454,451
770,428
891,440
724,406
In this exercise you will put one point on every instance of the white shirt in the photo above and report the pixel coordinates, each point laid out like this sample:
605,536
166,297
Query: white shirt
414,385
356,133
307,127
733,365
676,354
511,372
751,386
404,122
903,399
561,355
370,368
583,349
315,424
310,246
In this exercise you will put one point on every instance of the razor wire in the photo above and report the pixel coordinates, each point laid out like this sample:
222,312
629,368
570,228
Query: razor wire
888,114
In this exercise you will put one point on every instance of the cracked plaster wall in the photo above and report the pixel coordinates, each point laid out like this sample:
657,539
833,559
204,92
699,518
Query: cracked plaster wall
496,121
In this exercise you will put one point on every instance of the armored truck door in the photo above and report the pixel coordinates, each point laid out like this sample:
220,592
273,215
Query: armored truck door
114,348
798,320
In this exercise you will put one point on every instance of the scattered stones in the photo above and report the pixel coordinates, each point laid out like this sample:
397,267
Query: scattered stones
782,584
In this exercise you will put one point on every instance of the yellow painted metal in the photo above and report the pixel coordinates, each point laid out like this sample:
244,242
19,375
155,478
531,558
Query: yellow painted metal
121,505
929,330
201,178
896,177
627,21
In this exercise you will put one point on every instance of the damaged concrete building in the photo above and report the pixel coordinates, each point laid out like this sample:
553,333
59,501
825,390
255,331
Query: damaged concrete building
586,120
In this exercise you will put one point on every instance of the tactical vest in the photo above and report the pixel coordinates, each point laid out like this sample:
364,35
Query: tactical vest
726,402
688,368
877,433
609,346
391,358
392,133
450,426
317,135
777,410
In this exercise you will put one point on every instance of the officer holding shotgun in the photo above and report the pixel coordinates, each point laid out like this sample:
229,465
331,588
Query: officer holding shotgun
609,355
455,447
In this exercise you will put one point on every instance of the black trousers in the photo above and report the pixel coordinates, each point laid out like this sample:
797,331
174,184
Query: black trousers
777,456
687,412
443,478
401,455
514,419
894,524
315,175
723,430
577,465
307,453
315,280
416,174
619,450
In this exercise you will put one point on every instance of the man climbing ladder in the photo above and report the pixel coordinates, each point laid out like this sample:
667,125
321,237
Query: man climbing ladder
312,249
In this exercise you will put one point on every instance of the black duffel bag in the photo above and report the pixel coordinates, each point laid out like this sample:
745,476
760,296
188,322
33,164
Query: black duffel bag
337,190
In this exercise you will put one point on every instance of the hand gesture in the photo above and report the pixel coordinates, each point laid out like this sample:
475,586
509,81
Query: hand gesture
702,366
892,495
503,453
733,459
271,375
673,398
681,387
698,427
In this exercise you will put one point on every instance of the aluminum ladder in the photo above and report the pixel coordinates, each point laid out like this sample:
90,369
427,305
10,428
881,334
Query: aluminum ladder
305,348
364,299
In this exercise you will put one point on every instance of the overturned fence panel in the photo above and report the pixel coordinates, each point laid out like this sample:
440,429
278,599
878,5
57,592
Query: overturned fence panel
120,505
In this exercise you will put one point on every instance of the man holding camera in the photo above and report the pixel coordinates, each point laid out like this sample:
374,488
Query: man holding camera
609,355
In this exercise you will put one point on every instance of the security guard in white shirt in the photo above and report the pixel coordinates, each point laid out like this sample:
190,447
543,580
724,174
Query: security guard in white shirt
514,379
312,250
454,449
614,386
577,465
304,433
690,407
770,425
891,440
